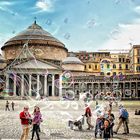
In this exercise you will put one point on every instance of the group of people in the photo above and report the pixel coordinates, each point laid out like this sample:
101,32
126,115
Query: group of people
7,106
105,122
28,120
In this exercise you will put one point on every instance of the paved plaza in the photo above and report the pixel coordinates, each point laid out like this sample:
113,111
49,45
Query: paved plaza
55,120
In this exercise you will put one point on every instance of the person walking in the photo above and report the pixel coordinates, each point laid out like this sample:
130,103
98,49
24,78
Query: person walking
123,119
7,106
36,122
25,122
13,105
88,115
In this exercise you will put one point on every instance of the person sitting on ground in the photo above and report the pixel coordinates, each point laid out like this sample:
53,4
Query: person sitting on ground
139,112
136,112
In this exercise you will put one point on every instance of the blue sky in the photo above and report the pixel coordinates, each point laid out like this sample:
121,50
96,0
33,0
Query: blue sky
82,25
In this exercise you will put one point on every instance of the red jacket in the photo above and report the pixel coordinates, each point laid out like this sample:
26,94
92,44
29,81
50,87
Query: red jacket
88,112
24,119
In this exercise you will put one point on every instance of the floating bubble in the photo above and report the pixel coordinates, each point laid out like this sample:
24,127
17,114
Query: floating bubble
49,22
128,92
67,36
66,20
70,95
114,34
74,105
91,23
117,1
67,79
13,32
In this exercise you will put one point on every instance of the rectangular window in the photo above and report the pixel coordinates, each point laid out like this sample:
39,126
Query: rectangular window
95,67
119,59
138,60
123,59
108,66
126,66
89,66
120,66
138,51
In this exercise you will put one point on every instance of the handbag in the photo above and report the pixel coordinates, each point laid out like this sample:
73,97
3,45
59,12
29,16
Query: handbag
30,121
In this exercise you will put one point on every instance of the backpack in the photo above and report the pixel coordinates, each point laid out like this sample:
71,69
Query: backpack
124,113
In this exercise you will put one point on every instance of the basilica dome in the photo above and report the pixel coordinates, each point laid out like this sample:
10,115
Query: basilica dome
41,43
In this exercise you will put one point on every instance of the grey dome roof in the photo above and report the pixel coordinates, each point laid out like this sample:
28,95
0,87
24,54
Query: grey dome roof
34,32
72,60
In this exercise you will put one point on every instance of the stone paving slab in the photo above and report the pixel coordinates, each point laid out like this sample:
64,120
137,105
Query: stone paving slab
55,125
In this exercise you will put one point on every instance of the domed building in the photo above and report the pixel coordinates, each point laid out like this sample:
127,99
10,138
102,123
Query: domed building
73,63
33,63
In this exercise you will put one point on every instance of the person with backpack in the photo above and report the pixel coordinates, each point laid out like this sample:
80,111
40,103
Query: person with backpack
123,119
88,115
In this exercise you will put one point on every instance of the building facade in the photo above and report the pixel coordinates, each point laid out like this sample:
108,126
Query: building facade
34,63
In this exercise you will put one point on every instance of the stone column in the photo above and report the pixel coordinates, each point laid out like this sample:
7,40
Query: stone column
130,89
53,88
7,82
22,85
60,85
123,90
45,85
30,83
15,77
38,77
136,90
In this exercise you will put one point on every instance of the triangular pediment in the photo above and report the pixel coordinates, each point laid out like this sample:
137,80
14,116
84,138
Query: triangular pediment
36,64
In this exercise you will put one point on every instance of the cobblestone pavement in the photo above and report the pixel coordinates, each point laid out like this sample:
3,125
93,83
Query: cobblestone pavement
55,118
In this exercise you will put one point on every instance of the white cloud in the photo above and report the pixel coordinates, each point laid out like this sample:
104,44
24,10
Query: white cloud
4,6
45,5
137,9
126,34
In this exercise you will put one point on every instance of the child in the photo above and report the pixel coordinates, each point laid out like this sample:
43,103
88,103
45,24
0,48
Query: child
106,129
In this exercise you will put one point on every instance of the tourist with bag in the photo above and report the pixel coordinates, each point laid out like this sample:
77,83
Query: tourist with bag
123,119
37,119
25,122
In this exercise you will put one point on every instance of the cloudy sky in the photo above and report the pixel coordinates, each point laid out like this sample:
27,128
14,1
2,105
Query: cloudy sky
88,25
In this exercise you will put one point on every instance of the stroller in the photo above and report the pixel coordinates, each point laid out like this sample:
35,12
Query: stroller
76,123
